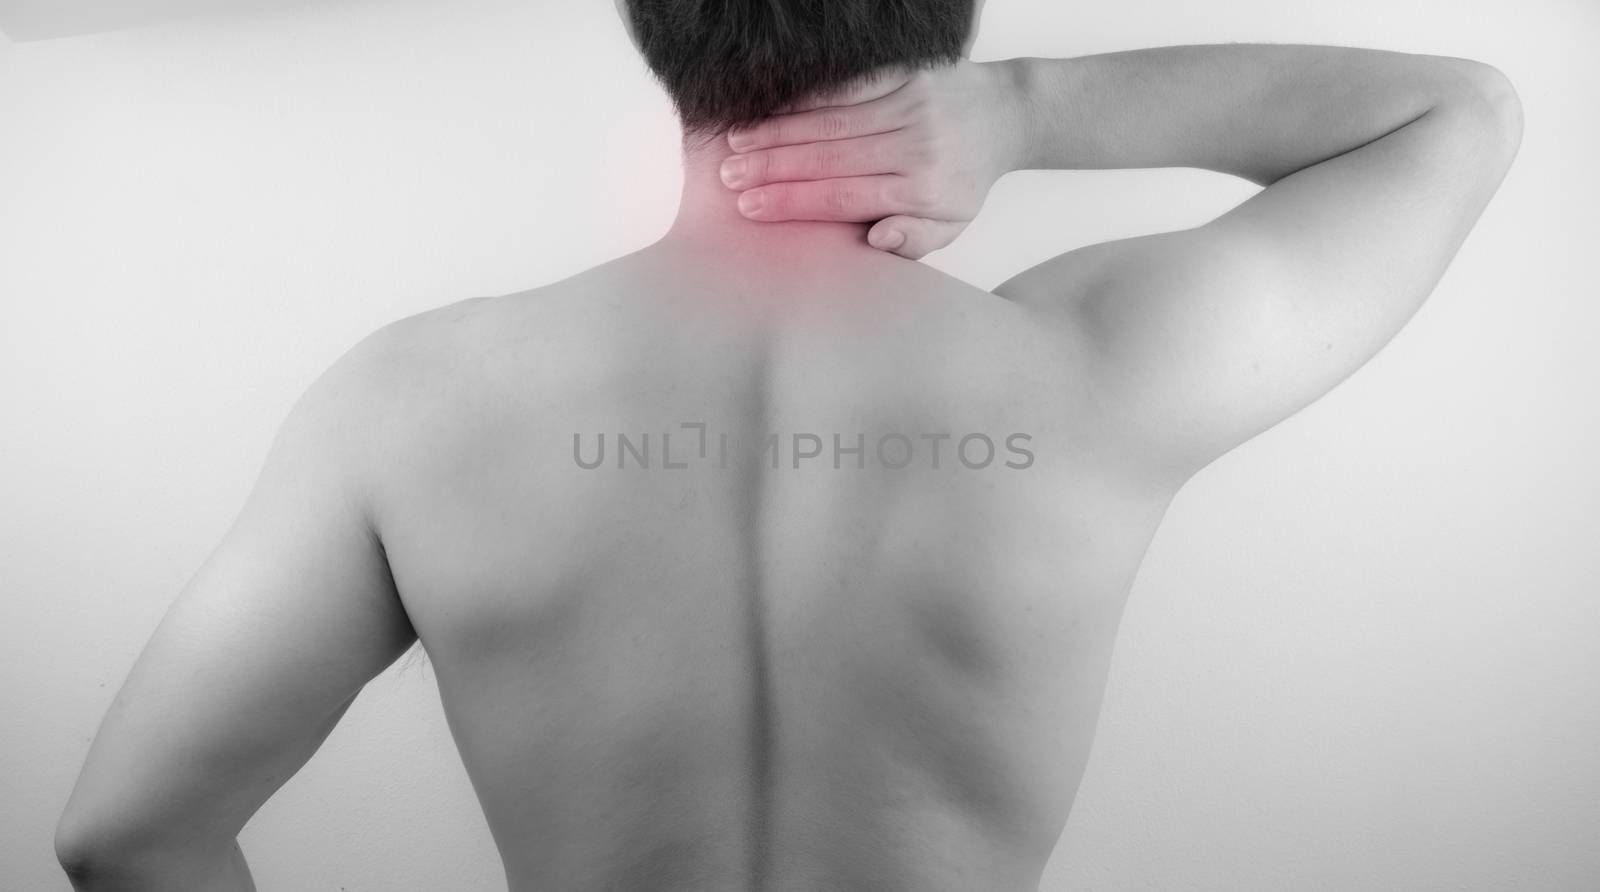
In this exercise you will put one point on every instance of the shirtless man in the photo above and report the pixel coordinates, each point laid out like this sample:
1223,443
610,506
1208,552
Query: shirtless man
735,652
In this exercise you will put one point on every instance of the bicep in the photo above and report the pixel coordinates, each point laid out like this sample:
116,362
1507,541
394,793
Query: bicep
255,661
1203,338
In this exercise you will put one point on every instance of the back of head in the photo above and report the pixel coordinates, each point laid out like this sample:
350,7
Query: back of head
727,63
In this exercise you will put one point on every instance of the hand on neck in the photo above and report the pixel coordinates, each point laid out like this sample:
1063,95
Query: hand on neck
708,215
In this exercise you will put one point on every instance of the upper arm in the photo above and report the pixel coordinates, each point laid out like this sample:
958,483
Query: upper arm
1201,339
259,656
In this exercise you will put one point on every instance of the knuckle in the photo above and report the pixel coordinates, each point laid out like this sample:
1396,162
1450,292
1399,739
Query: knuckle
897,195
779,200
832,124
829,161
760,168
875,158
917,196
839,199
779,132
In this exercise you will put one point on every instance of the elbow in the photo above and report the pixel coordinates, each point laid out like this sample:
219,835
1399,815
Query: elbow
93,857
85,855
1499,101
1487,96
80,857
109,850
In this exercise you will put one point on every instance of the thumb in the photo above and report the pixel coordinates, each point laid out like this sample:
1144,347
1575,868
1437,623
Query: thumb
913,237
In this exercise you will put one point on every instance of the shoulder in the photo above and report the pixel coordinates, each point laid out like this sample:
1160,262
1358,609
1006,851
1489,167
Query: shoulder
431,363
408,361
375,391
411,343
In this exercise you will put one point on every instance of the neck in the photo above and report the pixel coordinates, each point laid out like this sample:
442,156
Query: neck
708,218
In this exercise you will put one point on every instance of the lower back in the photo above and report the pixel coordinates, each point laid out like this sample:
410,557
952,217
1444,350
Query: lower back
764,595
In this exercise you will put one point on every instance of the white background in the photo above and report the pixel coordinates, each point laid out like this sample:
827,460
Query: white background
1361,655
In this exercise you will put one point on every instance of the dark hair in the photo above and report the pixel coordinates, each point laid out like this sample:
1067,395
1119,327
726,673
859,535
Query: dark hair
727,63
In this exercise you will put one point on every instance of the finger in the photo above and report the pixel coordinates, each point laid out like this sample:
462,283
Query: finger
876,116
845,200
872,85
860,156
913,237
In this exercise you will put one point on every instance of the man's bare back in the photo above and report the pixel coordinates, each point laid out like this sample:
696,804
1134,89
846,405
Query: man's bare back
763,558
827,676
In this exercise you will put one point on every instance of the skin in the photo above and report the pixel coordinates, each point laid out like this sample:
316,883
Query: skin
734,676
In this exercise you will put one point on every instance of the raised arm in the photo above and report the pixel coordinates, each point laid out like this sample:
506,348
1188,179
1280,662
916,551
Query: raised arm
251,667
1376,165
